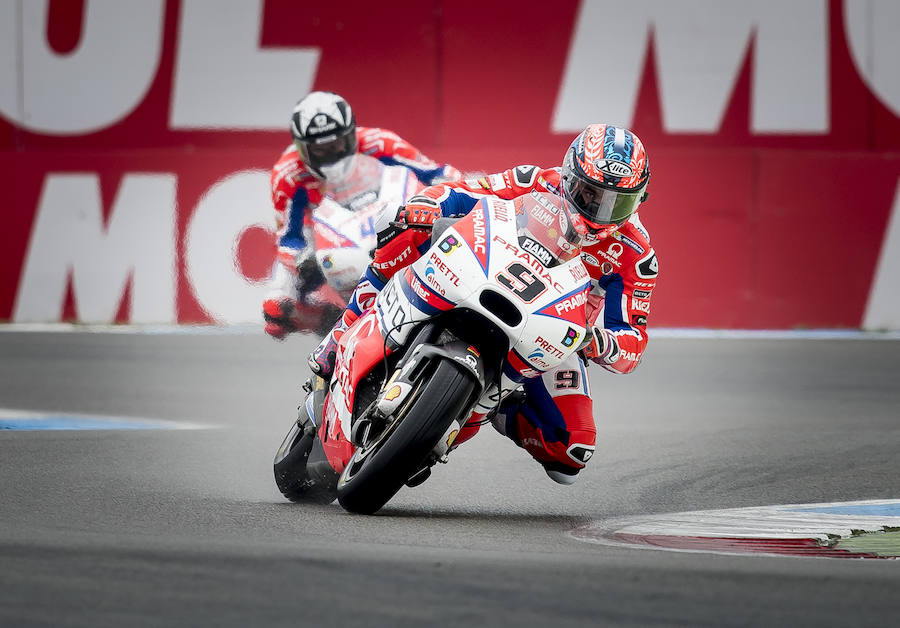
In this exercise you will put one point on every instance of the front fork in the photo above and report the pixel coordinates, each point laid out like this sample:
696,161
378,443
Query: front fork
406,377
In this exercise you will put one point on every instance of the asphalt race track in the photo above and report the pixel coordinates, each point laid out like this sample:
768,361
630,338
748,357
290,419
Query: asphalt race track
184,527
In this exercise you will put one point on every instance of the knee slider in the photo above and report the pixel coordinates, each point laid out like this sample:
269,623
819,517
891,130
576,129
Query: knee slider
561,473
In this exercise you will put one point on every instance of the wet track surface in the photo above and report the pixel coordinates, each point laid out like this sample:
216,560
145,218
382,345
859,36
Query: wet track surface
185,527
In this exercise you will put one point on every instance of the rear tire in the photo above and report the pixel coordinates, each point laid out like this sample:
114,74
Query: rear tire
292,471
370,480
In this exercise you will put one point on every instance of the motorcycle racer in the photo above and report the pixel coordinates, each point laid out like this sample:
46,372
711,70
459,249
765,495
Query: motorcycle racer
603,179
327,151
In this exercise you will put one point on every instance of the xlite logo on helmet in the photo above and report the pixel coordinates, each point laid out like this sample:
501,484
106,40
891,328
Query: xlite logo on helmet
614,168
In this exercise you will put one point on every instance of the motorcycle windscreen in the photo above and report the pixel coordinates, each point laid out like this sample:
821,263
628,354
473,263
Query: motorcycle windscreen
545,228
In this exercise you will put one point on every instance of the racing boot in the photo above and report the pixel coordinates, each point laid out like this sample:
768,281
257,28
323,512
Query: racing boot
321,360
508,420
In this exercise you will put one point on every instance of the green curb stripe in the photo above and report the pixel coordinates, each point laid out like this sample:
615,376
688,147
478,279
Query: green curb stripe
879,543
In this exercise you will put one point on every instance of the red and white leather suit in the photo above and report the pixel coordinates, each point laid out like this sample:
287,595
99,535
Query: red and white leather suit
295,190
555,423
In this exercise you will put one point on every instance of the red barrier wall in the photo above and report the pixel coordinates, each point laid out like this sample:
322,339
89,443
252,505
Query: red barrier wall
754,228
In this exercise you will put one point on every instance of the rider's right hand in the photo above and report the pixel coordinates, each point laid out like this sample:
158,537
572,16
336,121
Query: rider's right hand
277,314
420,211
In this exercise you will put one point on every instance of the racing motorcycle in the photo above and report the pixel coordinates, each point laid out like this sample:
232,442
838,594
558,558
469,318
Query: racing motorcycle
498,297
343,230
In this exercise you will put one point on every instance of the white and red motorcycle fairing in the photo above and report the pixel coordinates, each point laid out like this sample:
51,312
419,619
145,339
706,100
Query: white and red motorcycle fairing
507,264
343,230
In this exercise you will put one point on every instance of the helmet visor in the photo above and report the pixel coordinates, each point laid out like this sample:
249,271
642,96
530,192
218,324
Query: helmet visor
599,205
326,150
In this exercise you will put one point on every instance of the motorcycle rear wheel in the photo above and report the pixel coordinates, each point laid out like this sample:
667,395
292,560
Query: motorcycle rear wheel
378,470
294,476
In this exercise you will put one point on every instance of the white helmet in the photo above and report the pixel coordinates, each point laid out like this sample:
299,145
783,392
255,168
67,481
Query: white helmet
324,132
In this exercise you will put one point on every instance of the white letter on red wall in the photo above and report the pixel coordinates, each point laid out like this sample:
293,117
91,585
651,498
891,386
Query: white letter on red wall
226,210
98,84
700,47
68,235
222,77
883,308
872,29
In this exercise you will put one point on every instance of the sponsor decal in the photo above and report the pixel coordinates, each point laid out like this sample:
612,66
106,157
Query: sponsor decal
578,272
648,268
500,210
393,262
563,222
534,264
388,234
542,216
496,182
643,306
393,392
469,361
565,245
569,307
549,347
572,303
571,337
421,296
480,231
544,202
449,244
432,281
629,242
614,168
638,320
436,262
606,268
537,249
418,288
641,294
587,258
327,262
320,124
615,250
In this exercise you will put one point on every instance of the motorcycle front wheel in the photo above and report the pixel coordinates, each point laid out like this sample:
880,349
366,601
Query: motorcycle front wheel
378,469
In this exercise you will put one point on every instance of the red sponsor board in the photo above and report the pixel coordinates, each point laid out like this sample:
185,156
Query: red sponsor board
765,213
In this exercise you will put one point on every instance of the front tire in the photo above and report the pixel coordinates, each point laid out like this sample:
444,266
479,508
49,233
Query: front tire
378,470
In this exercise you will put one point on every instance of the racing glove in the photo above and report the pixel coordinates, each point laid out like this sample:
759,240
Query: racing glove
278,314
419,212
602,347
